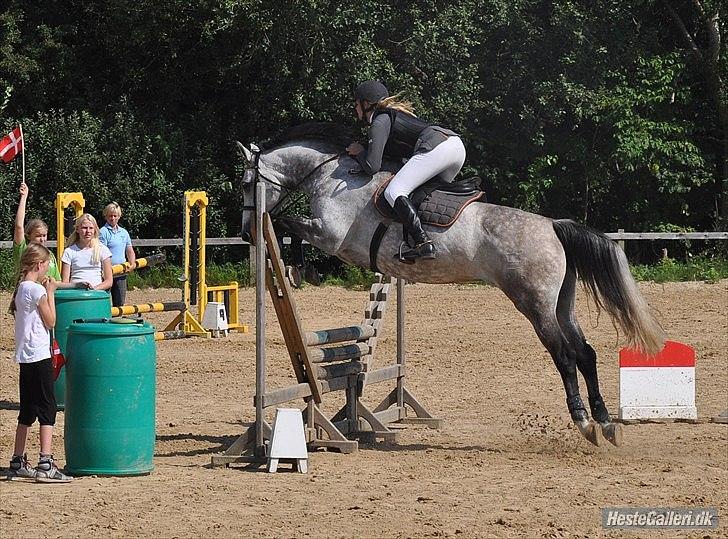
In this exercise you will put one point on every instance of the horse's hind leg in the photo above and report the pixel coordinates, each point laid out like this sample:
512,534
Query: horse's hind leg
586,358
541,312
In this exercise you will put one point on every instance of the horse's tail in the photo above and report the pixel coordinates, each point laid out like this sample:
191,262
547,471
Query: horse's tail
603,268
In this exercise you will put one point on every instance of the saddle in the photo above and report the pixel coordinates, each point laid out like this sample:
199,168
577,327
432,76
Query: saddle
438,203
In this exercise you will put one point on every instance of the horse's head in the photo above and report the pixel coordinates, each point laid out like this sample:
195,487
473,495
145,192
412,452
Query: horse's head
250,157
262,167
295,163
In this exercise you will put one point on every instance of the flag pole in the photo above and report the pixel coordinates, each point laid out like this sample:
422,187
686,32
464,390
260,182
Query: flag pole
22,143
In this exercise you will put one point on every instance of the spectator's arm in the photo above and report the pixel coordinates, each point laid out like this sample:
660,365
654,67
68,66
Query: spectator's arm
19,230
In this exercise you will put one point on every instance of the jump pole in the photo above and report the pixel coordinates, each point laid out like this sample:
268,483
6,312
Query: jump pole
147,262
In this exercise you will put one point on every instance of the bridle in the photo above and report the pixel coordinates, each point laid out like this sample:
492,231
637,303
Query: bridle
253,175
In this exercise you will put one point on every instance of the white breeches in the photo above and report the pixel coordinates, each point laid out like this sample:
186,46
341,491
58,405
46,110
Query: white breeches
446,159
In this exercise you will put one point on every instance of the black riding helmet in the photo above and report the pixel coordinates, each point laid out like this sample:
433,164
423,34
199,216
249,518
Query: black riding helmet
372,91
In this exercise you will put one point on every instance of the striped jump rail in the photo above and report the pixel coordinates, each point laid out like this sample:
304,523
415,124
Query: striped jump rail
126,310
126,267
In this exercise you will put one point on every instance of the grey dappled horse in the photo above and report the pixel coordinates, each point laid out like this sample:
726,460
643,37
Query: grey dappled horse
534,260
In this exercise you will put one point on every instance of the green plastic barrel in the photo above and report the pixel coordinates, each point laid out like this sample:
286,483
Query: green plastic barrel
111,382
73,304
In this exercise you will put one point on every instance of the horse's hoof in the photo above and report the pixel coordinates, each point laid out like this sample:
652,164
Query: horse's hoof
312,276
592,431
613,433
294,276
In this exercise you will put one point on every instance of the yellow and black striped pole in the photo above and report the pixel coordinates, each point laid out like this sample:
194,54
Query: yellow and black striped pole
152,260
148,308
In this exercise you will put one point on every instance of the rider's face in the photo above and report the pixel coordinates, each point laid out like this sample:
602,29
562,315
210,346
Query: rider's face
359,109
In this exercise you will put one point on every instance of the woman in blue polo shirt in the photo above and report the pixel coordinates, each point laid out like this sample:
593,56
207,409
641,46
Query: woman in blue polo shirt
118,241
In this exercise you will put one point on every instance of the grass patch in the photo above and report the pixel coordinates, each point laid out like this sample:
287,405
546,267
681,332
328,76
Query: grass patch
168,275
705,269
353,278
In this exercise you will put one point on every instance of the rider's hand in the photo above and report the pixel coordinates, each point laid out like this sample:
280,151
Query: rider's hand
23,189
354,149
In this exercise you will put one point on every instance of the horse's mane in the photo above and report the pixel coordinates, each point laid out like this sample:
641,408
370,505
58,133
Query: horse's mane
329,132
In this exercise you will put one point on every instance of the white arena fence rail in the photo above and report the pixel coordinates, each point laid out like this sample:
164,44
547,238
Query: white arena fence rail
620,236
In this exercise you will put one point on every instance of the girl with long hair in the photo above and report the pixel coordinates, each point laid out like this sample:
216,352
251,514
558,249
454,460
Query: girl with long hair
35,231
34,309
86,260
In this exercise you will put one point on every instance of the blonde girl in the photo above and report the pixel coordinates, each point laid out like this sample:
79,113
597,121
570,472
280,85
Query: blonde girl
34,309
36,231
86,260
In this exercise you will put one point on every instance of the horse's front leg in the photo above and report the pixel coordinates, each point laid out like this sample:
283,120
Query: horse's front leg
310,230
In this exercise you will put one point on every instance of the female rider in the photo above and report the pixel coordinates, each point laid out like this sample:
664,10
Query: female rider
396,132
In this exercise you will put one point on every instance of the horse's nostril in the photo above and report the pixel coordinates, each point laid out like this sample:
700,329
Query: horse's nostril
246,236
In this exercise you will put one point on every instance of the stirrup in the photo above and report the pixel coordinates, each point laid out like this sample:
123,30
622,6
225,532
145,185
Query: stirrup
401,254
411,256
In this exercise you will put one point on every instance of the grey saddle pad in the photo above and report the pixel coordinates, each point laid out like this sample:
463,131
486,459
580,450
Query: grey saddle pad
437,203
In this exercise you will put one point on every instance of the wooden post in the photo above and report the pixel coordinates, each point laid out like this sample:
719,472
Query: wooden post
252,265
400,341
620,242
260,291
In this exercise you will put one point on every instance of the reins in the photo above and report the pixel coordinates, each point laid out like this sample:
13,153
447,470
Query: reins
288,191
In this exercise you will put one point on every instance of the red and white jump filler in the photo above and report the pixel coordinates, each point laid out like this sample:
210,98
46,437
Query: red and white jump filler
660,386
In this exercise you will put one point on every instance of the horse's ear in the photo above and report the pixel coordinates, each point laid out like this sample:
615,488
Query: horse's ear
244,152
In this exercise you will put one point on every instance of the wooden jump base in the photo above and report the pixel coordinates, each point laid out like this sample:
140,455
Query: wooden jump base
321,369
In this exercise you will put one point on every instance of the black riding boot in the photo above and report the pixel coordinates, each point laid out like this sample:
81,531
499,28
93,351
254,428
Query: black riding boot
406,214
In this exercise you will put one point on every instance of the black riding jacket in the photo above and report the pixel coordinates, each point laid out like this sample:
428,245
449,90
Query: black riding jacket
399,135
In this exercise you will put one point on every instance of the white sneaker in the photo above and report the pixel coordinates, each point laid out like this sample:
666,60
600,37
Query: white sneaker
20,469
48,472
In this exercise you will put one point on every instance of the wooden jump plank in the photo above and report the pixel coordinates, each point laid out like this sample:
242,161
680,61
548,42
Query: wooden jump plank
339,369
287,313
329,336
302,390
338,353
374,311
284,319
379,292
385,373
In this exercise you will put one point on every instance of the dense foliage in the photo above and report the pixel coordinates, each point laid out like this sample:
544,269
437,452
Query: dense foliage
612,112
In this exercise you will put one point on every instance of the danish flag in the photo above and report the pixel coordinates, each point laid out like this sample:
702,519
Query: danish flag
11,145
